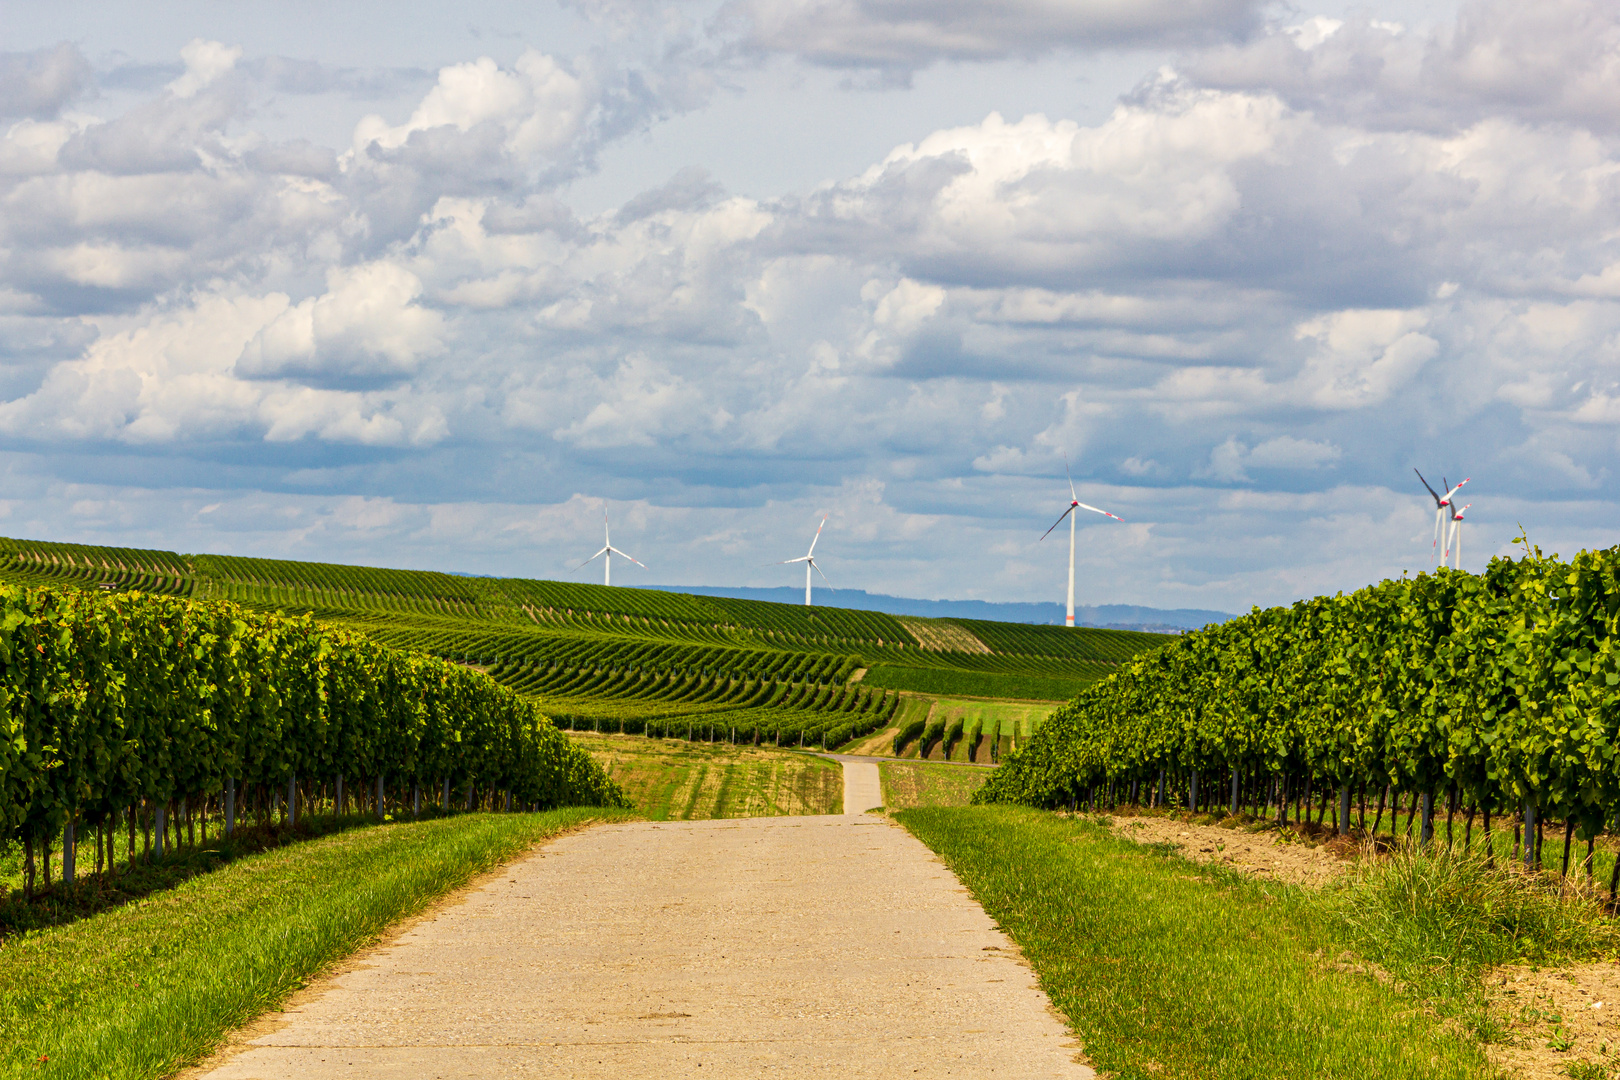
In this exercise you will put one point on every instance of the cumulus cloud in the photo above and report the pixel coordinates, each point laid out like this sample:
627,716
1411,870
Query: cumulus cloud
1557,61
206,62
1232,459
536,107
1245,282
642,404
366,327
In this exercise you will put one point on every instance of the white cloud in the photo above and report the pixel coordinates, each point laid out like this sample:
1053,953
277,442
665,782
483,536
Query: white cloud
1362,357
641,404
366,325
205,62
537,105
1307,260
1232,459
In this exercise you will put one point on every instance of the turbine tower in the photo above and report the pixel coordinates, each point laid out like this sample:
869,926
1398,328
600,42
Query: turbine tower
1454,534
1074,504
608,550
809,560
1442,503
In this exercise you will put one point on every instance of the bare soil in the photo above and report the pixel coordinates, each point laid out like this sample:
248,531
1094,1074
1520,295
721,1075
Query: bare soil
878,744
1299,855
1555,1020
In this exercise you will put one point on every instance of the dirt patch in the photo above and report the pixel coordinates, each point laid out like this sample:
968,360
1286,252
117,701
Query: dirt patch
938,636
1558,1022
878,744
1270,853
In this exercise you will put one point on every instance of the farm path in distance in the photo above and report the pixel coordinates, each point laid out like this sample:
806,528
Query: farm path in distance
787,946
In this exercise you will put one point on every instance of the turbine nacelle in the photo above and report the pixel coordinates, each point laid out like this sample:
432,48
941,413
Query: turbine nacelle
809,560
1444,508
609,551
1074,504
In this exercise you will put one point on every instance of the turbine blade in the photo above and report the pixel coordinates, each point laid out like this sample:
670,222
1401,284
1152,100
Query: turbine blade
593,558
1456,489
1431,490
817,536
1094,510
785,562
627,555
1066,472
1056,523
818,570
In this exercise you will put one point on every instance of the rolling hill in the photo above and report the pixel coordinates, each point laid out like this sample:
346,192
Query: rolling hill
629,659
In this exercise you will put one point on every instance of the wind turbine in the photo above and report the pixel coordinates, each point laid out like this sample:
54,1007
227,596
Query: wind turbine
1441,503
1074,504
1454,534
809,560
609,550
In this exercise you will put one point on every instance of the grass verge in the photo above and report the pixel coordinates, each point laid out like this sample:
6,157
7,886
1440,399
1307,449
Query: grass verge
911,784
147,874
676,780
142,990
1165,968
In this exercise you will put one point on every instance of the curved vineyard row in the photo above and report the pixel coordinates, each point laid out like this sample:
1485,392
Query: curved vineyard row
33,562
841,717
573,651
1086,643
1496,692
479,620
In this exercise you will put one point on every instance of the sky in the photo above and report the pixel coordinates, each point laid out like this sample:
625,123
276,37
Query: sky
376,284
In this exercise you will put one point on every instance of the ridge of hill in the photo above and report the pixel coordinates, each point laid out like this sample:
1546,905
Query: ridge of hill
631,659
1105,616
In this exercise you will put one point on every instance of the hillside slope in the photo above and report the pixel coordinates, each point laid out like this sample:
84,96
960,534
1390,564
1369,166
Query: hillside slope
625,658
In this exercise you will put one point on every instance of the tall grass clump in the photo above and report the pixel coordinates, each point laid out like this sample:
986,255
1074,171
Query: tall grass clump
1437,919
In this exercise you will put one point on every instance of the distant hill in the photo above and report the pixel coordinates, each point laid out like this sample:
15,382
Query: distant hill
1113,616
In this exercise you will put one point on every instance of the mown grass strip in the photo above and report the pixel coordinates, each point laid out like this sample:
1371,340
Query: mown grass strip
911,784
679,780
1164,968
142,990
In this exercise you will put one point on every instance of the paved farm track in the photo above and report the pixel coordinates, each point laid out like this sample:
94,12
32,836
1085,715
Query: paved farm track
793,947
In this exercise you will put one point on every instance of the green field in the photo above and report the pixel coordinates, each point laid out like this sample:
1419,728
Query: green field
632,661
678,780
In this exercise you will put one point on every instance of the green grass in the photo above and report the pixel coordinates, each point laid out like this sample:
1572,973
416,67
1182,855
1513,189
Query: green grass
1437,921
93,893
910,784
1165,968
677,780
144,989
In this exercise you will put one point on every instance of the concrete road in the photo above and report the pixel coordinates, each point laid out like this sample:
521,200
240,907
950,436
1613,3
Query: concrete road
765,947
863,787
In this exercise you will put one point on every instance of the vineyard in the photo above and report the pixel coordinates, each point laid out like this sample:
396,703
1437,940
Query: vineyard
147,711
629,660
1479,695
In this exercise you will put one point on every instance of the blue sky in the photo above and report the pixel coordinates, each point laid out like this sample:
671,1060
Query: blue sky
386,287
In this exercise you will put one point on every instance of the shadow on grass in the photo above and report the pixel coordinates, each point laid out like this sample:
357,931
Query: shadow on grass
94,893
